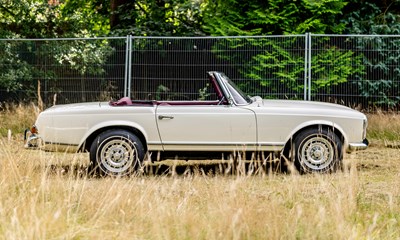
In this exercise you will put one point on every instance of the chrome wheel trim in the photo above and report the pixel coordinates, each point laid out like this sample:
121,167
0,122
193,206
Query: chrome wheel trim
317,153
117,155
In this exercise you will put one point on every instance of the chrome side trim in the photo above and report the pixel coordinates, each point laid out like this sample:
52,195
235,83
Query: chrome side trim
178,146
57,147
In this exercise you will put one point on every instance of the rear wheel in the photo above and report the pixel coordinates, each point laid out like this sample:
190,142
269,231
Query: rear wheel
317,150
116,153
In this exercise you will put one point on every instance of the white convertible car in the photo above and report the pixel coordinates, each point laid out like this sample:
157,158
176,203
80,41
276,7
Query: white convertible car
119,134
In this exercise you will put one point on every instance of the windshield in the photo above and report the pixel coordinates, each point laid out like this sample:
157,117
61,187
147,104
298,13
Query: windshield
238,95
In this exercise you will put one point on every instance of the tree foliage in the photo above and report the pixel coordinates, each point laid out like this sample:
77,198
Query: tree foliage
51,19
22,61
14,72
276,65
277,17
158,18
382,74
273,64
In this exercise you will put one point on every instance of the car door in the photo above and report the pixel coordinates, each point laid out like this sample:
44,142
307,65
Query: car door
206,127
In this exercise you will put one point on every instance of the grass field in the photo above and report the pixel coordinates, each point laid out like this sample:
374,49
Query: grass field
48,196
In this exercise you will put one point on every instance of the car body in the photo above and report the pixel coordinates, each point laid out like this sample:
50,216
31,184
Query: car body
119,134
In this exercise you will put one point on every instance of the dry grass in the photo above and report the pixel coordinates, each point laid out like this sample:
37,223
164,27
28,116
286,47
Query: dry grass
384,128
48,196
16,117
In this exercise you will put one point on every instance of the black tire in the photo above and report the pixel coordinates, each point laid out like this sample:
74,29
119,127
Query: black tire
116,152
317,150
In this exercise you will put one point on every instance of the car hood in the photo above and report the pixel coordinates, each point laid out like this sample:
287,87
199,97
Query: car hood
307,107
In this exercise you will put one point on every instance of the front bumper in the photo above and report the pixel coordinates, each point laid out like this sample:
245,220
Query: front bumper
358,146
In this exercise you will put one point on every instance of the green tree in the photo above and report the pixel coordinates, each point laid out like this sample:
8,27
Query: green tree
276,17
51,19
157,18
381,55
14,71
85,18
23,62
277,62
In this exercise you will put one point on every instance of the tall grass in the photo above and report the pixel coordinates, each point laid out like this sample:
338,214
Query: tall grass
384,129
41,199
48,196
16,117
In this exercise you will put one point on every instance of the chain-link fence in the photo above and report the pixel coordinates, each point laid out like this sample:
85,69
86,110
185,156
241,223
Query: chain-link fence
360,71
177,67
62,70
354,70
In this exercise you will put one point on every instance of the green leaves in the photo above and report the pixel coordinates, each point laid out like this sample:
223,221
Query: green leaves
333,66
14,71
381,77
86,57
273,65
158,18
273,17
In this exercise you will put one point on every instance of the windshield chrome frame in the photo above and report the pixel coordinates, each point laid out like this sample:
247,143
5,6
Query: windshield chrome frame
224,82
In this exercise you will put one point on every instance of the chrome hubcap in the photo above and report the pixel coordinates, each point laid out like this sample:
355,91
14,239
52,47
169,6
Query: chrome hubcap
317,153
118,155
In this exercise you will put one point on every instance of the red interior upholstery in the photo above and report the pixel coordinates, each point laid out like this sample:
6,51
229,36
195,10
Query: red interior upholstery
122,102
125,101
186,103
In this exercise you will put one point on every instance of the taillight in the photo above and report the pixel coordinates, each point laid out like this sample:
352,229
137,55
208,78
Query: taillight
34,130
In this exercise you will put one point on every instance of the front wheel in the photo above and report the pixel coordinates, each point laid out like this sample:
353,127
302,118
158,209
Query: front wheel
317,150
116,153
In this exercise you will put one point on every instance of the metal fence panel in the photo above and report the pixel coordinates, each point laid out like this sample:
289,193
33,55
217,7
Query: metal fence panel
175,68
360,71
67,70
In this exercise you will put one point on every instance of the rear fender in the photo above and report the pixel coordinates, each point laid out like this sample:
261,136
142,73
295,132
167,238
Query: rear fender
111,124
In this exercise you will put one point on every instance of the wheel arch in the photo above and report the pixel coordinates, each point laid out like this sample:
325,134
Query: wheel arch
329,126
85,145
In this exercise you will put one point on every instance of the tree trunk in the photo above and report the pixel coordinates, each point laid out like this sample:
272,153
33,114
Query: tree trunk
115,19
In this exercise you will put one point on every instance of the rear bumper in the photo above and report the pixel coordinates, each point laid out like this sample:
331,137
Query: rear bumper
358,146
32,140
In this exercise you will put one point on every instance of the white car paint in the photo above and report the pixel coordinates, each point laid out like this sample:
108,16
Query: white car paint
260,125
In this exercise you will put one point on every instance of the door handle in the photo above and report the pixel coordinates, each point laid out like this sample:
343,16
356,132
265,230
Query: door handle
161,117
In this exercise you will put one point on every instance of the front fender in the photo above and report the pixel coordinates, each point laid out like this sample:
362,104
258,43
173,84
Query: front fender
316,123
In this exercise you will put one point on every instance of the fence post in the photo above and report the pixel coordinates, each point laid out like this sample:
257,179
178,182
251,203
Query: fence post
130,67
309,66
305,64
126,66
